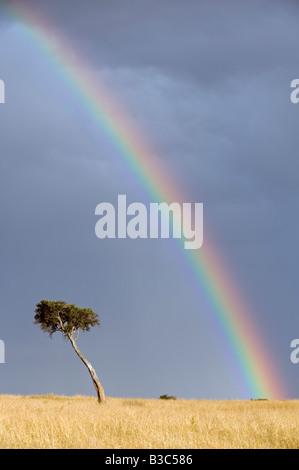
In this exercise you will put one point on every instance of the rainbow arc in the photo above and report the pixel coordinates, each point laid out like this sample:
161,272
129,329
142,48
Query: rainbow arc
250,358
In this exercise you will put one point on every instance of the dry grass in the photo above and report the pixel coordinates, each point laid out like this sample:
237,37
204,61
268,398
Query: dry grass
49,421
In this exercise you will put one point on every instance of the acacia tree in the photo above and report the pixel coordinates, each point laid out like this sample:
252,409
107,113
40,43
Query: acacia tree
54,316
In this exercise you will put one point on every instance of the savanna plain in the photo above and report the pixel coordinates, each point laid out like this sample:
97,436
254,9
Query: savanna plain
60,422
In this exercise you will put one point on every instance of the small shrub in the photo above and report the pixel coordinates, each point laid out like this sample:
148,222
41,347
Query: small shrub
167,397
259,399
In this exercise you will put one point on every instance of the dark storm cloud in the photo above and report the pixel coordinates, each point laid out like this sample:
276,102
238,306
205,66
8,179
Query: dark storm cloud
210,41
208,85
211,56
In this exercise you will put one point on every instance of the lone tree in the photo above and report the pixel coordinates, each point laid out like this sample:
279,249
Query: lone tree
54,316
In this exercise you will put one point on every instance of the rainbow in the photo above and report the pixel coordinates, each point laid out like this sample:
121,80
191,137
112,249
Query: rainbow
249,358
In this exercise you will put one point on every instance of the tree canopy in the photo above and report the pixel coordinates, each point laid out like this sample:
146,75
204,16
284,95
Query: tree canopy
57,315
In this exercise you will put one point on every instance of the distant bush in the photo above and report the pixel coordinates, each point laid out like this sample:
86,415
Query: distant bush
167,397
259,399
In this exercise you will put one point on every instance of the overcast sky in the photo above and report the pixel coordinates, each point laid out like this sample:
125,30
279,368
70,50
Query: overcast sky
208,84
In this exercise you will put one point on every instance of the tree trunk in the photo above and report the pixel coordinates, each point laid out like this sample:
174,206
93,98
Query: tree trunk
97,384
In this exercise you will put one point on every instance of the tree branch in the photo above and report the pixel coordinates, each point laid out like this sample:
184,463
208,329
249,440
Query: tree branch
60,321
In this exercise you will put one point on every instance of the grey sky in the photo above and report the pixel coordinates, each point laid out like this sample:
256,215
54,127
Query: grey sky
208,84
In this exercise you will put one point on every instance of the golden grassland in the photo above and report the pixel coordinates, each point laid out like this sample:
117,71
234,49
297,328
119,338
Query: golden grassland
53,422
